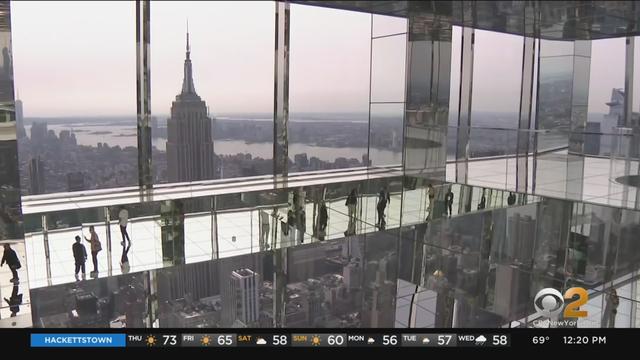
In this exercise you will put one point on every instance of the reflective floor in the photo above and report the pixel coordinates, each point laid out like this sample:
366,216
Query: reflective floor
477,264
561,176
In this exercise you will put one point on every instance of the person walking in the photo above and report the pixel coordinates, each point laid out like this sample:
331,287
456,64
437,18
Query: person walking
264,229
123,220
351,204
96,247
383,200
431,192
80,256
449,200
291,227
302,225
11,258
611,309
323,218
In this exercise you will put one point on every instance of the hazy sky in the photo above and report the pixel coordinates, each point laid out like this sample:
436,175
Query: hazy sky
78,58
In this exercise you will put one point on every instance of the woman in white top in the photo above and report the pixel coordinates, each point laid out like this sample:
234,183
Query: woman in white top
123,215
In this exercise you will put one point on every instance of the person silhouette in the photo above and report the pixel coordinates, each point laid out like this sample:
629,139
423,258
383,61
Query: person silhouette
483,201
11,258
351,204
449,201
383,200
80,257
323,218
264,229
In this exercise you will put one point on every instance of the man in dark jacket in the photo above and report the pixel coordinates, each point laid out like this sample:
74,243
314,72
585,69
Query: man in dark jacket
323,218
11,258
80,256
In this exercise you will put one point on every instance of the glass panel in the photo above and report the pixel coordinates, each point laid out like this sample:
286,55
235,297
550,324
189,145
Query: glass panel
606,82
556,48
78,101
385,134
387,25
636,75
231,292
387,68
329,88
212,111
554,93
496,80
454,89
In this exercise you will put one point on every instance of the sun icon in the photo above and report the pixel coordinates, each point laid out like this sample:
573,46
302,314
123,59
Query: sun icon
315,340
151,340
206,340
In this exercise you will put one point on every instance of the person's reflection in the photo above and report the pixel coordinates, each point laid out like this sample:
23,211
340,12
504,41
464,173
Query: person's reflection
124,259
483,201
291,227
14,301
611,309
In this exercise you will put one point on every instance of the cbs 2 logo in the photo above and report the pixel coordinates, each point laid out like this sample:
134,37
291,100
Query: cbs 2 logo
549,302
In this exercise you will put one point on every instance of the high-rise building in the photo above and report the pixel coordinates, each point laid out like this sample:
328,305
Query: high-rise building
39,132
243,301
20,131
190,154
36,176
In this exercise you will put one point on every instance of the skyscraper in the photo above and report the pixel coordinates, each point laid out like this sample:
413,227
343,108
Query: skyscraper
39,132
190,154
20,131
242,303
36,176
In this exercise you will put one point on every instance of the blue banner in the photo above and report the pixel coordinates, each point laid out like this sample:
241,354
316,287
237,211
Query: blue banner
78,340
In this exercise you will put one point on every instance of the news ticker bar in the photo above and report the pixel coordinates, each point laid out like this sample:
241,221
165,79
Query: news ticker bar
228,340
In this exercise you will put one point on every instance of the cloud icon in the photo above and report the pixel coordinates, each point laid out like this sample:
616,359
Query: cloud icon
261,341
480,340
370,341
426,340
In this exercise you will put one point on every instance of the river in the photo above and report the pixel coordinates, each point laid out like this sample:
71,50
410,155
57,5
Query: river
91,135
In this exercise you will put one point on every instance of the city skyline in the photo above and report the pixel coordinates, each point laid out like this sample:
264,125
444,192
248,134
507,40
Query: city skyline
101,80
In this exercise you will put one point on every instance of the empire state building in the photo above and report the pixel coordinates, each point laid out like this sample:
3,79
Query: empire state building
190,154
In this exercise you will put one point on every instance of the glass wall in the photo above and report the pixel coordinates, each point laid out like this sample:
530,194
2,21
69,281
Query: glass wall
77,95
386,110
607,82
329,88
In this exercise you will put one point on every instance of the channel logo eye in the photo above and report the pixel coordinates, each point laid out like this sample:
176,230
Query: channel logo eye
548,302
